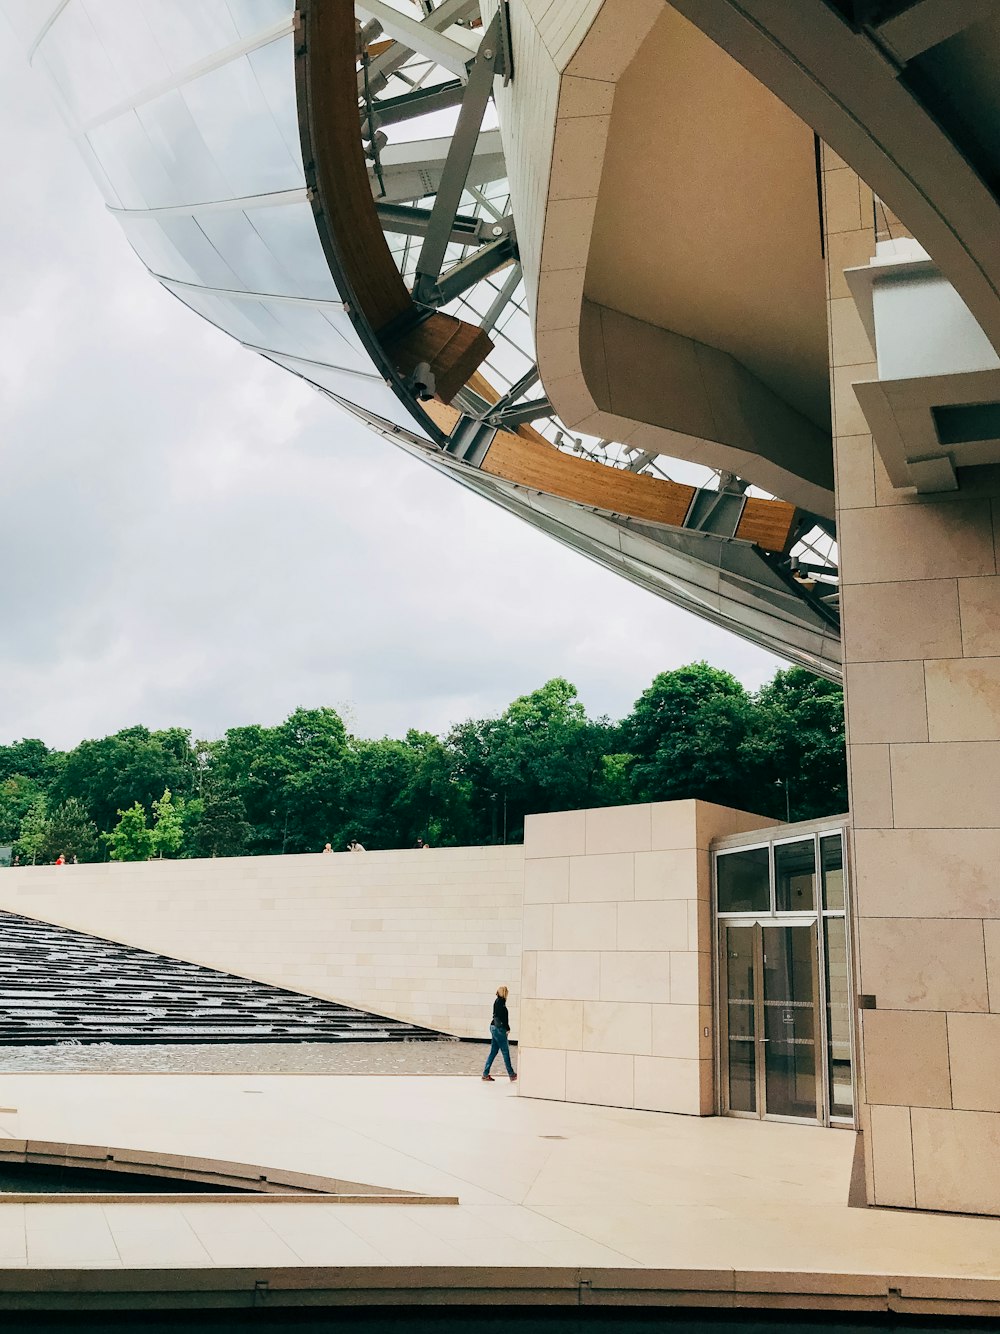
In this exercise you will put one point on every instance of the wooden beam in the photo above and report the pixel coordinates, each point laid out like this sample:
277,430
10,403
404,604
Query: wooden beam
452,349
344,209
542,467
767,523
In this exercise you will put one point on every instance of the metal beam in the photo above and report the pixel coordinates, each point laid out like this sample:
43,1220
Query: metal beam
926,23
511,418
413,170
418,102
456,168
469,271
502,299
640,461
517,390
404,220
384,66
426,38
470,440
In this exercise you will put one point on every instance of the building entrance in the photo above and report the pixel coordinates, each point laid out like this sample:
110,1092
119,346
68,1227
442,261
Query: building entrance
784,980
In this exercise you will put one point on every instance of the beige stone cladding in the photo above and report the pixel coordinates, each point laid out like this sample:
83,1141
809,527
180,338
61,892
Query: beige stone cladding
921,628
616,982
421,935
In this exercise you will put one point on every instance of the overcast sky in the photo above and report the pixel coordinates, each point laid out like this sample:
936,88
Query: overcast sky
191,536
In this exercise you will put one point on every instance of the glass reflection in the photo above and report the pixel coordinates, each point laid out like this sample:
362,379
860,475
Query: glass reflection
743,880
740,1026
795,876
831,860
790,1020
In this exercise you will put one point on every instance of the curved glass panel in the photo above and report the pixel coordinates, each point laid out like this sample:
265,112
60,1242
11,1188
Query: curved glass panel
29,17
187,113
189,120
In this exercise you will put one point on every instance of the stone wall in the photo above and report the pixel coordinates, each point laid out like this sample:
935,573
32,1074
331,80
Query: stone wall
616,980
425,936
921,623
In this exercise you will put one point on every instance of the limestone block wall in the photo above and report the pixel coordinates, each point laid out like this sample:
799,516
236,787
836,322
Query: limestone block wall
616,979
425,936
921,625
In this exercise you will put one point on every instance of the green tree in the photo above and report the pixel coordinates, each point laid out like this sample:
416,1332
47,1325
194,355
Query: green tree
685,733
614,785
376,776
436,799
134,765
168,825
30,844
70,833
131,840
795,754
215,824
17,795
29,758
290,778
541,754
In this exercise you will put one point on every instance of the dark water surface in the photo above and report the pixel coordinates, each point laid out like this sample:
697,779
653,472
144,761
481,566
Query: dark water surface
443,1057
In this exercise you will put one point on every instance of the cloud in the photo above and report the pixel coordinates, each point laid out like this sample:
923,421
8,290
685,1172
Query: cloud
192,536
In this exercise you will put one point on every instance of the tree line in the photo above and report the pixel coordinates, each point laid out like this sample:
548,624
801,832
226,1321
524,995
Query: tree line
695,732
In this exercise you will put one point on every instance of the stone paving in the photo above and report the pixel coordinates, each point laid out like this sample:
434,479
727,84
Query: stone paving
565,1201
443,1057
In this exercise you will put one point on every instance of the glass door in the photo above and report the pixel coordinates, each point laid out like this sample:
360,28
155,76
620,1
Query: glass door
740,969
792,1074
769,975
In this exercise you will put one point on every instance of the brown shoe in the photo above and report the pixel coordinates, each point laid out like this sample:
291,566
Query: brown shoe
488,1079
513,1079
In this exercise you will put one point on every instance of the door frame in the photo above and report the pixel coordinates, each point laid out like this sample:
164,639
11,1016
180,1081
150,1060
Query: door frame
808,829
757,922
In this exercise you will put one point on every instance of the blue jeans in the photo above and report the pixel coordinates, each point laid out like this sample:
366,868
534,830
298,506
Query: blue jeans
499,1044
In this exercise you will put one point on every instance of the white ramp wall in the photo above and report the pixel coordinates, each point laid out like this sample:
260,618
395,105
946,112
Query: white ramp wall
425,936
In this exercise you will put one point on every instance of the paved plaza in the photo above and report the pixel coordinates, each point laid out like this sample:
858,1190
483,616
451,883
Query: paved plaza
584,1193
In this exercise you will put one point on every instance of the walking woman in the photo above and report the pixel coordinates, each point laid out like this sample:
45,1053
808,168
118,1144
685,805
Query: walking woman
499,1028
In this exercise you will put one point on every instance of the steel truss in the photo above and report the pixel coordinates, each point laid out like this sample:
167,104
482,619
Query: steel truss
455,244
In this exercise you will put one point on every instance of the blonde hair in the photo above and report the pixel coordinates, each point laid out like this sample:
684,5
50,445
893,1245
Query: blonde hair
502,991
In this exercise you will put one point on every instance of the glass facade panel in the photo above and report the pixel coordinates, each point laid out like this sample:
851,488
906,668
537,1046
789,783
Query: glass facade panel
838,1018
741,1036
831,860
187,31
132,168
194,173
804,996
174,246
238,125
790,1020
795,876
206,176
75,58
244,320
290,233
257,268
743,880
28,17
251,16
273,68
124,30
369,392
